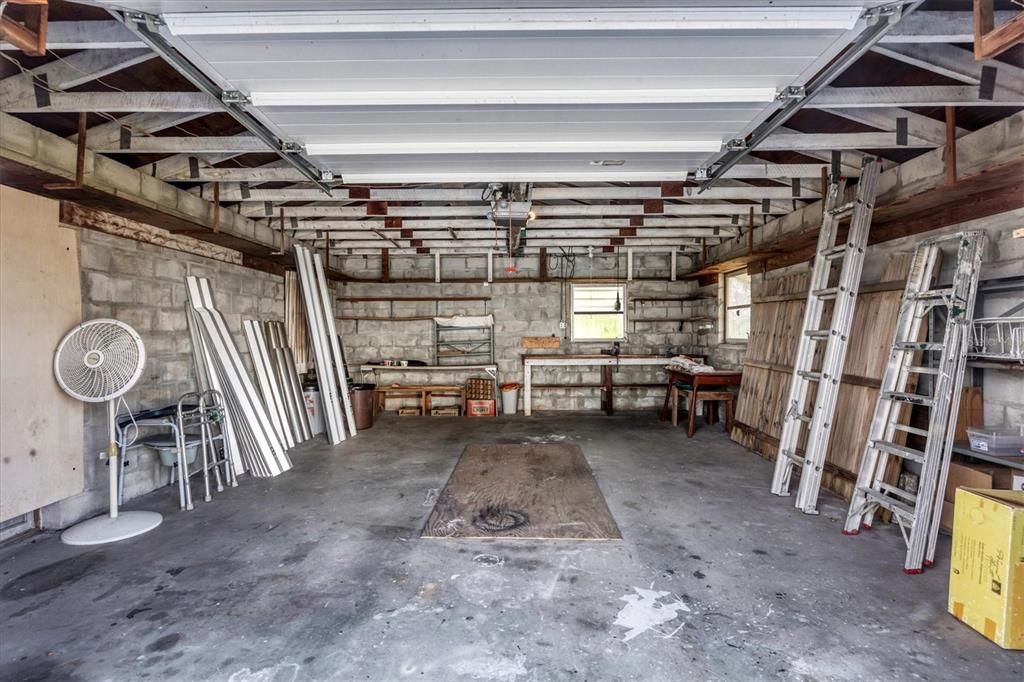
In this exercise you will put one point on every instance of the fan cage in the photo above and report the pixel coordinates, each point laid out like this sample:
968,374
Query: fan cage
99,360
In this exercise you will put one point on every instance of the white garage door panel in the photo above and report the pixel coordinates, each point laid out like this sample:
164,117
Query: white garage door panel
40,300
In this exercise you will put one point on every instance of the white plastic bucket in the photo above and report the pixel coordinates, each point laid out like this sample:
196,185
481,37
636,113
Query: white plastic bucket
509,398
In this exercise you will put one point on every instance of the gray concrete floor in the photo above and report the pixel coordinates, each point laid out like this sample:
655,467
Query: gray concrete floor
320,574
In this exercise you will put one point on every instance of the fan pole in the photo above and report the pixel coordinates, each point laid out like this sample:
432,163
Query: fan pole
112,455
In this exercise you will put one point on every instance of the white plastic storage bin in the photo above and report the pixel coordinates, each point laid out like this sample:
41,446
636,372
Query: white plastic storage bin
997,440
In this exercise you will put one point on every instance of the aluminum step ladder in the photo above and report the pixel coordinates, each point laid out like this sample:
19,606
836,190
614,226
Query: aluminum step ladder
918,513
834,334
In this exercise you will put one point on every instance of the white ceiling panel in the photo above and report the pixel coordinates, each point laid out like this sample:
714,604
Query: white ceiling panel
484,91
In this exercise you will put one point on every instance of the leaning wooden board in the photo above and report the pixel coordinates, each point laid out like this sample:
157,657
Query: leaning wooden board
536,491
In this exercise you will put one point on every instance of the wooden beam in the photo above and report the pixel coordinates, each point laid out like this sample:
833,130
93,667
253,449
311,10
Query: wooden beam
186,145
92,102
29,37
87,35
913,96
385,265
953,62
990,39
68,72
937,27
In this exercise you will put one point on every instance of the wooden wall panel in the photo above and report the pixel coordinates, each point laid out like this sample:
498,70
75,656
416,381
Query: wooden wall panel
40,300
776,319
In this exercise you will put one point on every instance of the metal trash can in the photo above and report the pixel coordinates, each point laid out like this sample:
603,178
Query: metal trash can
509,398
362,405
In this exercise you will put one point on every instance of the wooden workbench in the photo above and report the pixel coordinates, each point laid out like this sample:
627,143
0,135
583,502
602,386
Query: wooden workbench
607,363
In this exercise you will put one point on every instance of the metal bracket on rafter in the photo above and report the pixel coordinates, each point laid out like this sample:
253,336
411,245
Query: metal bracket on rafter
796,92
702,174
891,13
736,144
326,175
152,21
291,147
234,97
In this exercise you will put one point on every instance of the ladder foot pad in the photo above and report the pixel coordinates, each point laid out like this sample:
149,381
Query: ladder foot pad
851,532
929,564
913,571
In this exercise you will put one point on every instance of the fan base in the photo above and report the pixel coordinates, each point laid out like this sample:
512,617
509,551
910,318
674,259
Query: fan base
103,529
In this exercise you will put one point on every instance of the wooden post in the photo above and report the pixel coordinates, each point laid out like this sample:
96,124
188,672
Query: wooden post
543,269
216,210
385,265
824,190
991,40
750,232
29,37
281,228
951,145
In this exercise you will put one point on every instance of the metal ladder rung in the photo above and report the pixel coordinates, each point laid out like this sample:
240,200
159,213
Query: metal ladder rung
843,209
918,345
899,450
803,418
835,252
795,458
818,333
826,294
883,500
810,376
916,369
910,497
911,429
930,294
912,398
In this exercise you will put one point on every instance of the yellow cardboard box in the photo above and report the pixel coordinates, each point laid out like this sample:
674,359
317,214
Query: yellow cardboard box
986,573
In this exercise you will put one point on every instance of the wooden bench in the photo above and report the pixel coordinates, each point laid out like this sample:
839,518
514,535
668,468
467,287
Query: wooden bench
423,393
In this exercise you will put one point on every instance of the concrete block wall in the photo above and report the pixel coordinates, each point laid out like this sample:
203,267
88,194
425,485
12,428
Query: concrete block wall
525,308
143,285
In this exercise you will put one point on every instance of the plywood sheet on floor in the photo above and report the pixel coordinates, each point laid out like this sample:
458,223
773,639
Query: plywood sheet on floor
522,491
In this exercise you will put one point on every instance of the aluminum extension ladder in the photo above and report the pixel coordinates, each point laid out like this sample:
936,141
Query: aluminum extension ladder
918,514
835,335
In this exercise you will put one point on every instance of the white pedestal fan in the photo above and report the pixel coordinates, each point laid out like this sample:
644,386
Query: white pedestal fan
97,361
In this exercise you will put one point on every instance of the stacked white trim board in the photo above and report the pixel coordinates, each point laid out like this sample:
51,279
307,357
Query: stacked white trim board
323,337
278,379
261,449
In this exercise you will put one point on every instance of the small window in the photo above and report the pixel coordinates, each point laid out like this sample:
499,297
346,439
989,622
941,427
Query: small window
598,312
737,306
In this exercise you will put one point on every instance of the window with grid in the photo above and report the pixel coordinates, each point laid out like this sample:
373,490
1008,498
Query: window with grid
737,306
598,312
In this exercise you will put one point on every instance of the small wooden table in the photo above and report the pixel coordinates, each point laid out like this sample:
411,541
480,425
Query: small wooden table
424,393
699,380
